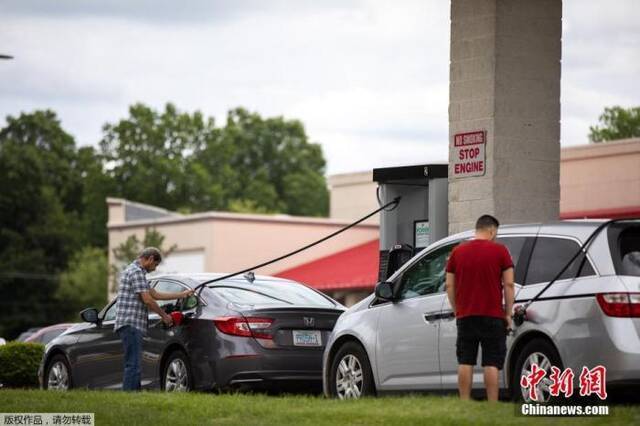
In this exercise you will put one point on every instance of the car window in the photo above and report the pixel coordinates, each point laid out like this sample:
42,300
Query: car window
514,245
274,292
50,335
168,287
550,255
427,275
630,251
110,315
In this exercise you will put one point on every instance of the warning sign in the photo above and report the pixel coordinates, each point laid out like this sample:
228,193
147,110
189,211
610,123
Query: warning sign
469,154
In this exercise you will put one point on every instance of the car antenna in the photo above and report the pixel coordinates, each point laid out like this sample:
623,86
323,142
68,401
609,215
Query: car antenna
250,276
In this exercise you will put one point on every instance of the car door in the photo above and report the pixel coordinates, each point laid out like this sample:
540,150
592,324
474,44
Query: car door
98,354
158,334
519,247
407,344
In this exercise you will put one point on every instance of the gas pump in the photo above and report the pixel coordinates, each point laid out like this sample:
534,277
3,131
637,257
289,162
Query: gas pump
419,220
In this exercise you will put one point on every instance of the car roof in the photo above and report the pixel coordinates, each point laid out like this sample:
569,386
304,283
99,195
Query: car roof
195,279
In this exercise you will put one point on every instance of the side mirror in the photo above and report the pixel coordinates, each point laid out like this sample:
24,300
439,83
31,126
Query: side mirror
90,315
384,291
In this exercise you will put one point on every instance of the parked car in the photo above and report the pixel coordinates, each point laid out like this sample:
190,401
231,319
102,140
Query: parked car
241,331
46,334
402,337
25,334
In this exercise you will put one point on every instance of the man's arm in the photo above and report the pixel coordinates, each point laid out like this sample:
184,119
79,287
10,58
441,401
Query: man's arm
509,294
451,290
153,305
158,295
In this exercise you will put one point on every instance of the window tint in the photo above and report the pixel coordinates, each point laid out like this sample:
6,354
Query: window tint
514,245
168,287
276,292
550,255
630,251
427,276
50,335
110,315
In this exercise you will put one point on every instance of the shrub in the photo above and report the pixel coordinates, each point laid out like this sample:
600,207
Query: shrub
19,363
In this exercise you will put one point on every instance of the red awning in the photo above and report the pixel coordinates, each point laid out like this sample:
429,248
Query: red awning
354,268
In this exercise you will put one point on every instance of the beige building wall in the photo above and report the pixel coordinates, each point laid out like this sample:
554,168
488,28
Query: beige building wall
352,196
230,242
600,178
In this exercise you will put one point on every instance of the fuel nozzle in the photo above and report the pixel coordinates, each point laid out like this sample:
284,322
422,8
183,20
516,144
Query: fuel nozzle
519,315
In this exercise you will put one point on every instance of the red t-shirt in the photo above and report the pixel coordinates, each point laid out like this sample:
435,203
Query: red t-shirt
478,266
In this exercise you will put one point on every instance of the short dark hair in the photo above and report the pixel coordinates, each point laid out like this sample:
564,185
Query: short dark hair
148,252
486,221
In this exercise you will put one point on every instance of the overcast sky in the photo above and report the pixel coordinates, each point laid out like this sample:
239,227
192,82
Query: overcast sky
369,79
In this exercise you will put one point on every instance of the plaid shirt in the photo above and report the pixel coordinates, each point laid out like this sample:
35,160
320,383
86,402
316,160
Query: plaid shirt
130,309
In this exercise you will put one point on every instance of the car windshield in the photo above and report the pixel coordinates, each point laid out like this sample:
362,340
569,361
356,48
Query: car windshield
272,293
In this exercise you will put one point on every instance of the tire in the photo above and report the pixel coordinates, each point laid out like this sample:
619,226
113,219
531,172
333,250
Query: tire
350,376
58,374
176,374
545,355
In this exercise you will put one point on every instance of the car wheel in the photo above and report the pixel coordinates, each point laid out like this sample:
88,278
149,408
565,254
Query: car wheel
58,374
176,376
544,355
350,375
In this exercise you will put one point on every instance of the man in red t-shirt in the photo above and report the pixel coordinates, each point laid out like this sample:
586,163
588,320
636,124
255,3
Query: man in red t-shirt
478,271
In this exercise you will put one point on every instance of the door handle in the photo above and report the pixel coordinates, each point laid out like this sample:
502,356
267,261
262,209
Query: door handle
447,315
431,317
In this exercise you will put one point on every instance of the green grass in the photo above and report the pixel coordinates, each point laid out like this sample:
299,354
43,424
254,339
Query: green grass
155,408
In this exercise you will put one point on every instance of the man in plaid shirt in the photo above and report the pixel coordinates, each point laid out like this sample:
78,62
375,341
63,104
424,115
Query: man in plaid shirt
135,298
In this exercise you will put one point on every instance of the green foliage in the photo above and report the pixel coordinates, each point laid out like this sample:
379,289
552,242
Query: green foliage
40,204
182,162
616,123
200,408
151,154
128,251
52,202
84,284
19,364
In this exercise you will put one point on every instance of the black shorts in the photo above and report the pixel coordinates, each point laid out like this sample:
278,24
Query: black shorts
489,332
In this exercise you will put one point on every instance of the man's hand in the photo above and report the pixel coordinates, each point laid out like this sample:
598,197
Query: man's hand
507,319
167,320
186,293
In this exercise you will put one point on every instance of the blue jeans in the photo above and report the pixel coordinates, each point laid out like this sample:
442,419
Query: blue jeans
132,342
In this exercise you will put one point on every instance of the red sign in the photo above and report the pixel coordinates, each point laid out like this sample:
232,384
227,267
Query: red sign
469,154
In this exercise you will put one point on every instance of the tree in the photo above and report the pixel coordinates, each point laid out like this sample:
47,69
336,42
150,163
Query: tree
263,158
150,155
616,123
182,162
84,284
129,250
39,204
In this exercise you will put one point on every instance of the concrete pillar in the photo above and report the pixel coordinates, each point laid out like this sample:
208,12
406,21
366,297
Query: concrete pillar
505,80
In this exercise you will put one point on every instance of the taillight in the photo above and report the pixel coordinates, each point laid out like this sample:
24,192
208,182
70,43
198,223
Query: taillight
620,304
246,327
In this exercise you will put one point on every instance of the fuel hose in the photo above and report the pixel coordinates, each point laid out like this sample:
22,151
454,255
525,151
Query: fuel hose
392,204
520,312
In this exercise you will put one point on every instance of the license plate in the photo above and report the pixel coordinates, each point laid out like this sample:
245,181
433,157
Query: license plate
307,338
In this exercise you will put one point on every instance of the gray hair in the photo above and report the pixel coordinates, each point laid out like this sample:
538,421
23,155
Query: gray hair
151,252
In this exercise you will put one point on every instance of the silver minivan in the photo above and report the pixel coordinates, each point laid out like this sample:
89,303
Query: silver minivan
590,315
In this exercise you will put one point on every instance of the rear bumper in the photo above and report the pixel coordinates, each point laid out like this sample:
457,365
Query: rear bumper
269,366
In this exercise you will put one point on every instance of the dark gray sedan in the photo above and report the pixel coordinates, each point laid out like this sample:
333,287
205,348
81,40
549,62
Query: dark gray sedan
241,331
